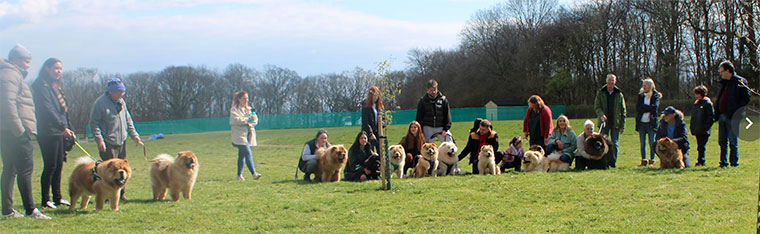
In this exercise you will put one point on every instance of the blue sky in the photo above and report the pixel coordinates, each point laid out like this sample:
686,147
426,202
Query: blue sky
308,36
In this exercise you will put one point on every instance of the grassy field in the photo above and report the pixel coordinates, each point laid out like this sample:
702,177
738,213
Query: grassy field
627,199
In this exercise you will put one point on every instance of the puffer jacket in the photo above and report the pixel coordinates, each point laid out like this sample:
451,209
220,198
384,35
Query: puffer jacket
702,117
16,103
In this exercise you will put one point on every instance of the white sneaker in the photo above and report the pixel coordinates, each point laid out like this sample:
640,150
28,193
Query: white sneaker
13,214
36,214
48,204
240,177
64,202
256,176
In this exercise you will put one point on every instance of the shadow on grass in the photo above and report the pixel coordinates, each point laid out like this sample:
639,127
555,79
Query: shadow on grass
296,181
658,171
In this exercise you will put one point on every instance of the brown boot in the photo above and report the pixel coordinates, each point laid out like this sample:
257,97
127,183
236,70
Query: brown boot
651,162
643,163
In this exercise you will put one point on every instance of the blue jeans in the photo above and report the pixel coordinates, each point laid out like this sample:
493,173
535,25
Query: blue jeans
727,135
614,134
565,157
646,129
245,155
685,157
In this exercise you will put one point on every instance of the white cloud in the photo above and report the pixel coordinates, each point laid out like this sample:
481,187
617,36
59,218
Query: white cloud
194,31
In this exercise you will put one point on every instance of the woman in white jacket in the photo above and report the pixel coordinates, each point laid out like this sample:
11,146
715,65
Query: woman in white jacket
242,121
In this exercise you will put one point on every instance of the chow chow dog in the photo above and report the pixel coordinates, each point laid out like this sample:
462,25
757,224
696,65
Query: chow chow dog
534,160
330,162
487,161
428,164
555,164
398,160
176,174
598,149
105,182
669,153
447,159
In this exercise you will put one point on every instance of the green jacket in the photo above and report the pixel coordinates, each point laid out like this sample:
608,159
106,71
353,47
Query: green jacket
600,106
568,138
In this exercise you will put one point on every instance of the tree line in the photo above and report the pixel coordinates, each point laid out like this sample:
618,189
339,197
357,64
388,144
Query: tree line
506,52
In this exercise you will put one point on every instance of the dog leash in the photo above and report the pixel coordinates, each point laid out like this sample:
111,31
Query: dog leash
145,152
80,147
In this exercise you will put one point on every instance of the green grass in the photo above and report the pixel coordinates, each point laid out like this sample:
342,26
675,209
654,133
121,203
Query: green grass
626,199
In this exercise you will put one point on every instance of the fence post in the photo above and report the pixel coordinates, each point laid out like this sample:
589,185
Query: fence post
384,160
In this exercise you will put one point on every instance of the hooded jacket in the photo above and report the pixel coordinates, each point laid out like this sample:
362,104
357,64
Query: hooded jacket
16,103
110,124
680,134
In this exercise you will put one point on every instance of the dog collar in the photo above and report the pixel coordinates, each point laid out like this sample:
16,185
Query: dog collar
394,166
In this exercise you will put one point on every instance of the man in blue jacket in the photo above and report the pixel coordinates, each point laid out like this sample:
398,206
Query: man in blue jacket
732,95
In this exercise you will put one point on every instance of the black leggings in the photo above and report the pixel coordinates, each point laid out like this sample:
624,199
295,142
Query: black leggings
53,154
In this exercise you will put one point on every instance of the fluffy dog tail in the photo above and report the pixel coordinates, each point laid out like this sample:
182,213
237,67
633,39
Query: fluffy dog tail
161,162
83,160
555,155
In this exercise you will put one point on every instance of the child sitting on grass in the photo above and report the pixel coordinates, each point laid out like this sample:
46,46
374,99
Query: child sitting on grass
513,155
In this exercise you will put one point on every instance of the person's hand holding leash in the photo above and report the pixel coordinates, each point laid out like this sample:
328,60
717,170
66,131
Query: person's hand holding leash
101,146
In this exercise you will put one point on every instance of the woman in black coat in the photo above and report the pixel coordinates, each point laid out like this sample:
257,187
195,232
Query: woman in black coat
646,118
52,127
371,108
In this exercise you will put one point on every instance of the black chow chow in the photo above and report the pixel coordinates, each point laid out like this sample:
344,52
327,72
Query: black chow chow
598,148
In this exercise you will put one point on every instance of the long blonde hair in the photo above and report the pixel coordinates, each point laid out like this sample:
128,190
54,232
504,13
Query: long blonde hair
568,128
652,89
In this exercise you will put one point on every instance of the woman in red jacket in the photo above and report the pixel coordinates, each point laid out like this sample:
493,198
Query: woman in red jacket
538,121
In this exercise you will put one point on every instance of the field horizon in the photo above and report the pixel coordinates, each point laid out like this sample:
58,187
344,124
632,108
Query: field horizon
628,199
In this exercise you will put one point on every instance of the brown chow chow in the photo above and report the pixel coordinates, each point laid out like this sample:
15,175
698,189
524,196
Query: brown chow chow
398,159
487,161
330,162
534,160
176,174
669,154
428,164
447,158
105,182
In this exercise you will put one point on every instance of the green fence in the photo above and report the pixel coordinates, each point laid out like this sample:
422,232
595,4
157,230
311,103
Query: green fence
318,120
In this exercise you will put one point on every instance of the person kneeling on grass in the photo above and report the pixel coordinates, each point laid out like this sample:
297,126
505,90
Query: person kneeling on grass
672,126
307,163
581,157
362,163
513,155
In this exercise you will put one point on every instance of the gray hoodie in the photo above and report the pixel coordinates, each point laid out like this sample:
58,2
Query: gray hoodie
110,125
16,103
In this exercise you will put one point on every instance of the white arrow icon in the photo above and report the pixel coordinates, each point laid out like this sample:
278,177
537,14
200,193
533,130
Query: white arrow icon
750,123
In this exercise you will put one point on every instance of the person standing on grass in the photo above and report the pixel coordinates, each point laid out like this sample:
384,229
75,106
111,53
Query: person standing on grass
307,163
52,126
672,126
537,122
110,122
372,106
609,105
702,119
362,165
563,139
434,115
732,95
647,104
243,133
17,125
